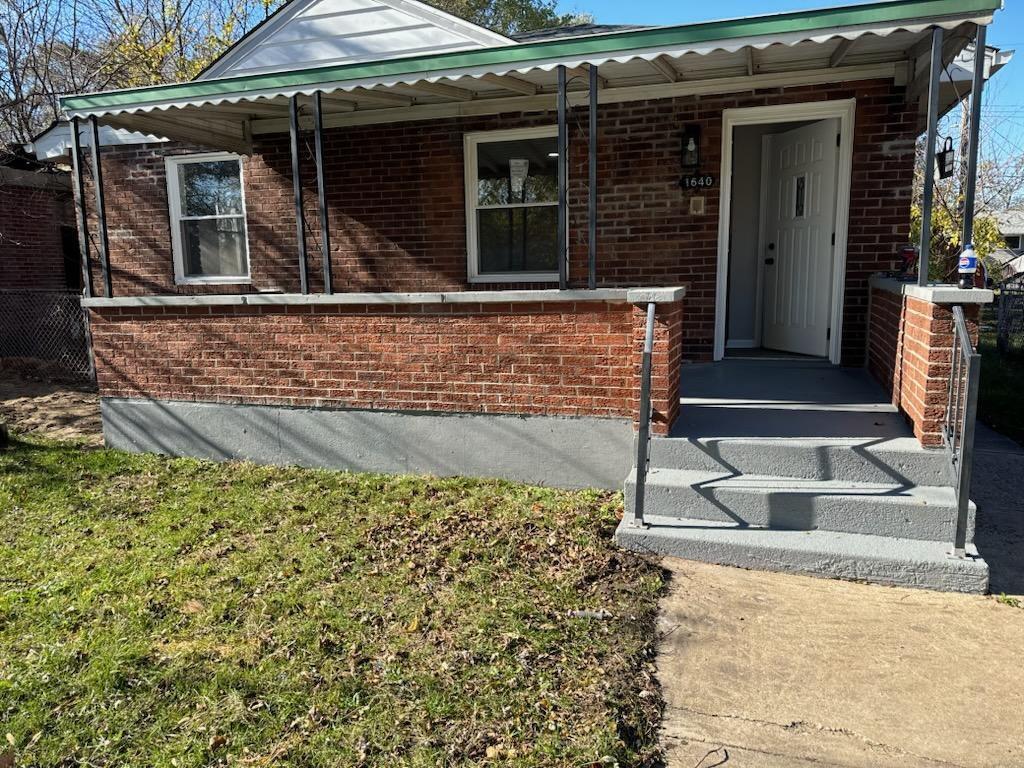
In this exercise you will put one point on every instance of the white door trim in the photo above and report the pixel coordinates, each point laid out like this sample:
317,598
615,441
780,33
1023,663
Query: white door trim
845,110
766,144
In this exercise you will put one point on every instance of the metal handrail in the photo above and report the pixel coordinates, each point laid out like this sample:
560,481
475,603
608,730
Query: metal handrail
643,437
958,426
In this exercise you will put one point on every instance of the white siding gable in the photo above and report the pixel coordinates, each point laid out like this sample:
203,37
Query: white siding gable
320,33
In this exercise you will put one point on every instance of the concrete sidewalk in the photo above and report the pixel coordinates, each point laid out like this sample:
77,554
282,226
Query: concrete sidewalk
769,670
997,488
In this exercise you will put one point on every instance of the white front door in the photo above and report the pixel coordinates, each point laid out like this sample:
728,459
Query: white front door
799,220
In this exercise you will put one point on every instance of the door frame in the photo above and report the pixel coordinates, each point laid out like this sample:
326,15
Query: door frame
845,110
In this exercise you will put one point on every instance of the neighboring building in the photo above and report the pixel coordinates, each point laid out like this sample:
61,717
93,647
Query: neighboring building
380,237
1007,263
1011,227
41,322
38,245
1009,260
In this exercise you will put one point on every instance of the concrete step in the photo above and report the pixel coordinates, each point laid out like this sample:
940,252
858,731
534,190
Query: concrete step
879,559
899,460
926,513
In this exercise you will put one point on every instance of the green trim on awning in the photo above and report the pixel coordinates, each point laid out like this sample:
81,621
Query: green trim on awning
776,24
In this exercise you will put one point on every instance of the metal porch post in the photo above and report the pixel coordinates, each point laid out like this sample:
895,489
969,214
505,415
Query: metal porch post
592,184
300,225
321,190
929,155
101,208
563,213
972,142
83,226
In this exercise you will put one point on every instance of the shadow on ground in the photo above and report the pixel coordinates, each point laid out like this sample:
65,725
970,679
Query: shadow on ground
996,488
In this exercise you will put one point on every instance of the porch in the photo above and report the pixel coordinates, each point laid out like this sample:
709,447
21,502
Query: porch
798,465
759,398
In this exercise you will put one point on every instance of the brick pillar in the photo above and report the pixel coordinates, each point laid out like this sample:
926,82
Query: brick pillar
910,346
666,358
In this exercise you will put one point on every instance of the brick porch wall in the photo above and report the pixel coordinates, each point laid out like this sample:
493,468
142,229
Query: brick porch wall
398,214
909,352
564,359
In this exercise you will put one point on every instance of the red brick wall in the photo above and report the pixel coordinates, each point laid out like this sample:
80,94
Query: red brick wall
31,251
666,360
909,352
558,358
398,213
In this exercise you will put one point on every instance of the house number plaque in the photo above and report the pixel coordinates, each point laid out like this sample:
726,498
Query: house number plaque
697,181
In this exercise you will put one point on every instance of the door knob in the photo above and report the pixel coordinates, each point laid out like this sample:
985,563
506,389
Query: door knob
771,246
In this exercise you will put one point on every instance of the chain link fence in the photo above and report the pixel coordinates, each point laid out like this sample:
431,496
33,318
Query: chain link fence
46,331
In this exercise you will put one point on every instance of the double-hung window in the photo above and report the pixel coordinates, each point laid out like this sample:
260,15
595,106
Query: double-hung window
512,205
207,209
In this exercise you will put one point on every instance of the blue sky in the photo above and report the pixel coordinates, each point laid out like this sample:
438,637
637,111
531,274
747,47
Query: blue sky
1004,100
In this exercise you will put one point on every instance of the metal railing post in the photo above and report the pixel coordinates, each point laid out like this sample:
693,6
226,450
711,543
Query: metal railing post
592,188
101,208
300,223
563,173
929,156
80,210
643,437
972,143
321,191
961,414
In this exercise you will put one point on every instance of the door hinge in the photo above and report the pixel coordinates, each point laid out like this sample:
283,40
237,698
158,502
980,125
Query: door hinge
838,137
828,335
833,238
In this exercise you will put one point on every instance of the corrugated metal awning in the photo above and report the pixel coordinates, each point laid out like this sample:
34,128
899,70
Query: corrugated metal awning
832,45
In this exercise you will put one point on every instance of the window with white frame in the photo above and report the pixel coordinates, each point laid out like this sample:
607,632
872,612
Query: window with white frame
512,205
207,209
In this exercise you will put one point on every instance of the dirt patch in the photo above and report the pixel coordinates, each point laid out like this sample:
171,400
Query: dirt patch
50,409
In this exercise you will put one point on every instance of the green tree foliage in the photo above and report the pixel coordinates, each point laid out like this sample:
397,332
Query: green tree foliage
1000,186
947,239
510,16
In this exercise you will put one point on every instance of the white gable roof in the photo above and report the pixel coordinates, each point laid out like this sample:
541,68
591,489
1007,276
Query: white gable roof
315,33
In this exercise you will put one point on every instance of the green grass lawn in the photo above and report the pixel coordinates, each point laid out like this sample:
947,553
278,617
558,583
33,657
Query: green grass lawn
158,612
1001,391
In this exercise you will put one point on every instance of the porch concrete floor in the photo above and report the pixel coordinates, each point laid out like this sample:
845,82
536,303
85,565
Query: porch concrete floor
785,671
765,397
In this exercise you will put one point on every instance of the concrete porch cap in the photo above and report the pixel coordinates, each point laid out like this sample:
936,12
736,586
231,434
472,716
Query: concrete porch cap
936,293
546,295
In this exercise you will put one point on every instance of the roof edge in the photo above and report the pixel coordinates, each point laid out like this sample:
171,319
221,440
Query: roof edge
892,11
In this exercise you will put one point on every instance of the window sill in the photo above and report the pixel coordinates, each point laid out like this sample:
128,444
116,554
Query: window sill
213,281
516,277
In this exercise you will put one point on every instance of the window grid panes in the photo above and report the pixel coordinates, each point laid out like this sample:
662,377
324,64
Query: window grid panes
516,206
211,219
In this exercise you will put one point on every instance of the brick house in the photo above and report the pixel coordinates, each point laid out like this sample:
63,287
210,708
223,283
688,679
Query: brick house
380,237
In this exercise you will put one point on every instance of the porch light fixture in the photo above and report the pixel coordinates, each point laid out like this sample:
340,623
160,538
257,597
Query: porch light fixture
944,160
691,147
